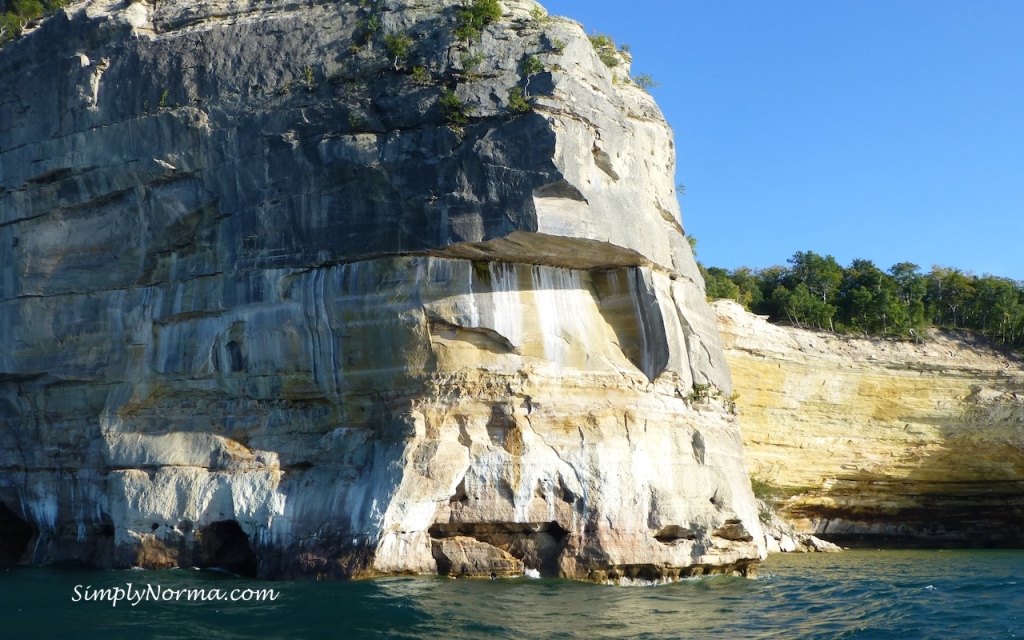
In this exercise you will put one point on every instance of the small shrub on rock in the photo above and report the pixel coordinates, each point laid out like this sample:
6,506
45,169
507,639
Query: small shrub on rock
605,47
455,111
517,100
475,17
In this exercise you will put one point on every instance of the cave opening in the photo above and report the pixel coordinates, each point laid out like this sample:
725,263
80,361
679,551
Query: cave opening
15,536
236,356
538,545
225,546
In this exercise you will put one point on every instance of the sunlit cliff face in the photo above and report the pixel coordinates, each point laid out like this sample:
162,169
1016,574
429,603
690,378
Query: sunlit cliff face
880,441
266,306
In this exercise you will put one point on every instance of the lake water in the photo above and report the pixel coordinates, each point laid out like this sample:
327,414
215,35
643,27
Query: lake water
856,594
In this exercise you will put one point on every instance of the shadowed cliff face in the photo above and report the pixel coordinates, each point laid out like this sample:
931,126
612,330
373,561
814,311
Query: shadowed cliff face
264,307
883,442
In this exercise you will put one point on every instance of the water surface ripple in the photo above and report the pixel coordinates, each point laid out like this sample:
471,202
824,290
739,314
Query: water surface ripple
857,594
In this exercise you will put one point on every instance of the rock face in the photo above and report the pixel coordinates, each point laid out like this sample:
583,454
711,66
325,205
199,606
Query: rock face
881,441
264,306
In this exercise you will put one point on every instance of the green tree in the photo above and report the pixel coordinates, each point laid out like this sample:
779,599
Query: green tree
749,285
910,291
10,27
950,293
645,81
530,66
997,303
27,9
517,100
15,15
718,284
802,308
821,275
769,279
398,46
868,301
473,19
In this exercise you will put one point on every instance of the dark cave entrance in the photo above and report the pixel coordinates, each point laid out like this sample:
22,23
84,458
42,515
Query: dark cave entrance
225,546
237,357
538,545
15,536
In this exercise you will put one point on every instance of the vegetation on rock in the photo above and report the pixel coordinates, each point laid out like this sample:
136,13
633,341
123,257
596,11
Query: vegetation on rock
767,496
517,101
420,76
15,15
470,63
398,46
530,66
475,17
816,291
699,393
455,111
645,81
369,24
606,51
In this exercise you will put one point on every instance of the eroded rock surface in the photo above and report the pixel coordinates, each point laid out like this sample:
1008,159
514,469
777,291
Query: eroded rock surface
882,442
262,306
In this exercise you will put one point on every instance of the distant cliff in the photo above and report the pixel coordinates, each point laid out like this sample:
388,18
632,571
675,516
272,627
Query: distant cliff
879,441
352,289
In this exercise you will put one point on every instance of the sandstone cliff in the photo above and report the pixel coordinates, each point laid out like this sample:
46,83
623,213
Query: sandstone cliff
273,300
880,441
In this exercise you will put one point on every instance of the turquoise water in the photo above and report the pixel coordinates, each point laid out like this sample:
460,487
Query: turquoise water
857,594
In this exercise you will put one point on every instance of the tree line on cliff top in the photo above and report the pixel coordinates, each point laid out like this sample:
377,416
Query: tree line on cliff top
816,291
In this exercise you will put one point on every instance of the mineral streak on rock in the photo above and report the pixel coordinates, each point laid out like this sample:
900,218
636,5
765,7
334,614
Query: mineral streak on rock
883,442
263,307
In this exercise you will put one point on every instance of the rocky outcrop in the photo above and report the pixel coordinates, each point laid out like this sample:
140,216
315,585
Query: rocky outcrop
298,290
878,441
781,538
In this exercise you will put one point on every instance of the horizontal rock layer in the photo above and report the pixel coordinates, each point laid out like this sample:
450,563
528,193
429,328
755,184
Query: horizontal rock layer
881,441
263,307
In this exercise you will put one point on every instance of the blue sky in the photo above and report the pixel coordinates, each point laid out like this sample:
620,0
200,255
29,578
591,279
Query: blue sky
888,130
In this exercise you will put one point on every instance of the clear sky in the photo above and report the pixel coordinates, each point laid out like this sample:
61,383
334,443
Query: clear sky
891,130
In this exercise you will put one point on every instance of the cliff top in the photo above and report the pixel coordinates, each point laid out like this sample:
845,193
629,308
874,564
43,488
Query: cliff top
936,350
